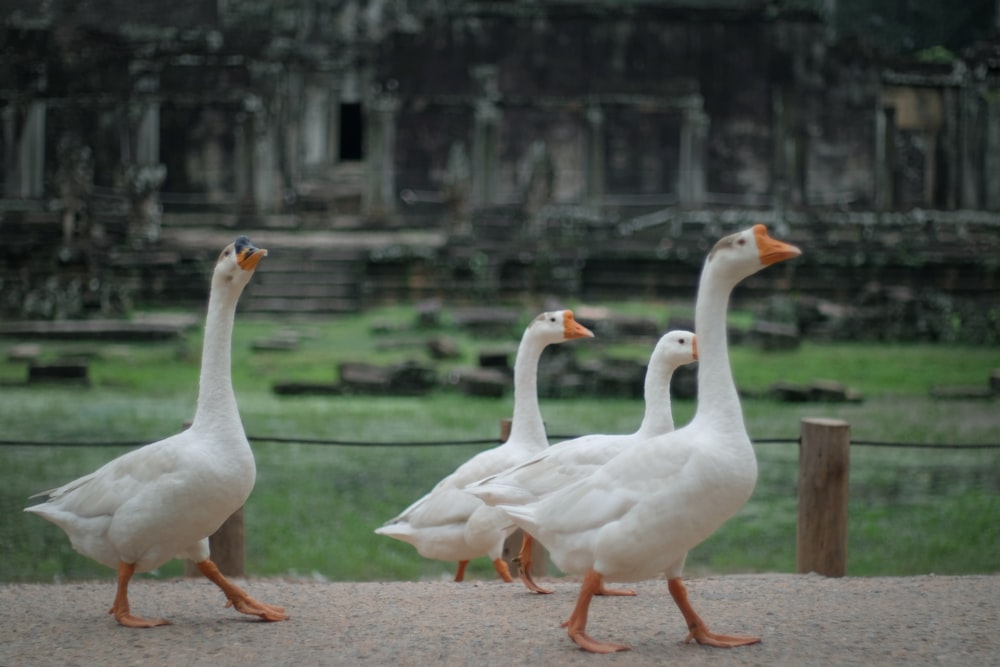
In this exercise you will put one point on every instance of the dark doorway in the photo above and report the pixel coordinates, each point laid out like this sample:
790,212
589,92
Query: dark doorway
351,131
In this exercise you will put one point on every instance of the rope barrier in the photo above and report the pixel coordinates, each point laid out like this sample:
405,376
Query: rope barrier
251,438
925,445
481,441
901,445
358,443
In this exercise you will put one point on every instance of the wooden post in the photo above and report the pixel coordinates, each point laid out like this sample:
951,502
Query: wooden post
512,546
505,425
226,547
824,466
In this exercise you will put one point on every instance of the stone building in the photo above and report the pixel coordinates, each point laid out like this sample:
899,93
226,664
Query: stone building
480,120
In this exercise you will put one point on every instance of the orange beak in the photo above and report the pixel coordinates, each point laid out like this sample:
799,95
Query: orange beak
573,329
694,347
249,257
772,250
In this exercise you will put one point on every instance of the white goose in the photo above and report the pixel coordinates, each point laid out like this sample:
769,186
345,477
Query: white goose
163,500
638,515
571,460
450,524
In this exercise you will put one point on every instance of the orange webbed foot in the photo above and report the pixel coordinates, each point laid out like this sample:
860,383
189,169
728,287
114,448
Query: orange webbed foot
698,631
267,612
577,623
121,610
529,582
704,636
130,621
524,562
588,643
237,598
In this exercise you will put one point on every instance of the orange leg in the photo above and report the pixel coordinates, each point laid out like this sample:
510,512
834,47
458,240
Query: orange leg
120,609
698,630
524,565
460,572
577,623
602,590
238,598
501,567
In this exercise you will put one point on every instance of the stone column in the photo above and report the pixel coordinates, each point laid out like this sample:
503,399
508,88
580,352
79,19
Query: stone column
145,176
314,124
950,147
484,137
24,159
595,154
694,147
256,155
456,187
484,144
782,162
266,183
243,158
74,184
147,135
380,179
257,151
885,131
143,182
147,150
991,158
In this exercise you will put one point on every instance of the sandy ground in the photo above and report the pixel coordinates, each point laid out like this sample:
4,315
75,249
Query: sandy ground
803,620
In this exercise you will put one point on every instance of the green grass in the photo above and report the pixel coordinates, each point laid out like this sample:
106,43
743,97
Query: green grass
314,507
875,369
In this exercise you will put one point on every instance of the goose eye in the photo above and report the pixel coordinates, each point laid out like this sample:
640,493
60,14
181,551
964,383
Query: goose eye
742,241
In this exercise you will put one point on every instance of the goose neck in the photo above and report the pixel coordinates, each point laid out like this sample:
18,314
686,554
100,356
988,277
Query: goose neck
658,416
526,422
717,395
216,399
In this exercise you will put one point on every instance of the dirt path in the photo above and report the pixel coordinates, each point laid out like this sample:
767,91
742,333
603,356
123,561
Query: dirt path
803,620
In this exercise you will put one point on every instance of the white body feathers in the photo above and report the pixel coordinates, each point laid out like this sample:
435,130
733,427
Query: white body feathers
163,500
639,514
449,523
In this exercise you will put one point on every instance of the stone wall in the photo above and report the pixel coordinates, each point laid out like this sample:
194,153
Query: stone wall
585,149
419,113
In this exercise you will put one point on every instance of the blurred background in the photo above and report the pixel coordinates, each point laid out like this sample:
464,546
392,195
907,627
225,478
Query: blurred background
468,150
428,175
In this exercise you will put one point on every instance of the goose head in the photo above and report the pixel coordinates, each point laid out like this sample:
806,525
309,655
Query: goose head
676,348
744,253
237,262
557,326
